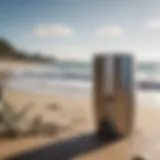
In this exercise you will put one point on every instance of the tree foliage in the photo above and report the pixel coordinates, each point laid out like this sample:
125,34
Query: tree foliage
8,51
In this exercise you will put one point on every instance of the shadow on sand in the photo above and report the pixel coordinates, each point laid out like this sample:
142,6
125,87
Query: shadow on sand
68,149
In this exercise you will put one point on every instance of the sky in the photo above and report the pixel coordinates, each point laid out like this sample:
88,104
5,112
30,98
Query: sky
77,29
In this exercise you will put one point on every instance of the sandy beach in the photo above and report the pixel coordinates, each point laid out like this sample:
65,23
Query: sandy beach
75,116
5,64
78,115
63,109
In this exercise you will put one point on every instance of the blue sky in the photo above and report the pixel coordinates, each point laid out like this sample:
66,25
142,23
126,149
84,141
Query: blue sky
78,28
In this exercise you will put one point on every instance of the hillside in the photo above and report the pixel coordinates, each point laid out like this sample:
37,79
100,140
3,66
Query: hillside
9,52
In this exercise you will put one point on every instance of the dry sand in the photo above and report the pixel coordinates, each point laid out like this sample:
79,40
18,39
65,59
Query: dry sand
77,113
65,110
145,139
5,65
74,115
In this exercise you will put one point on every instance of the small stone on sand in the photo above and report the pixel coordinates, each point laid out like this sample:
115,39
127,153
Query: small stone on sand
138,158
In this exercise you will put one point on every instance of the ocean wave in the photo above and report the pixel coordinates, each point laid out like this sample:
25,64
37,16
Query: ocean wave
65,78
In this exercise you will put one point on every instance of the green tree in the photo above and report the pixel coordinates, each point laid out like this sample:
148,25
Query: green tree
8,51
6,48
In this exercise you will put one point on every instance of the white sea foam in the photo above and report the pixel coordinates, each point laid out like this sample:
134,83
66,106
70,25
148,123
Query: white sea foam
74,80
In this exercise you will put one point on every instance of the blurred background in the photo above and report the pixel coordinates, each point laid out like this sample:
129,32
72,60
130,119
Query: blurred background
46,51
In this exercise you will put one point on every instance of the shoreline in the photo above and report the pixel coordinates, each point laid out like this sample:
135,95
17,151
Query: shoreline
63,92
77,114
142,98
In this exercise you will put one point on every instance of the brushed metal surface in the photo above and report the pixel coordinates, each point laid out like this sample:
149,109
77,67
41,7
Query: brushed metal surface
113,92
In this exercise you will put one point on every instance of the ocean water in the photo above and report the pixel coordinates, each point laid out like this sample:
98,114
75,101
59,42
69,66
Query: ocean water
65,77
76,78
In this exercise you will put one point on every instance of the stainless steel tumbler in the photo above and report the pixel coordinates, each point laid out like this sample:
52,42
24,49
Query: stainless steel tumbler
113,93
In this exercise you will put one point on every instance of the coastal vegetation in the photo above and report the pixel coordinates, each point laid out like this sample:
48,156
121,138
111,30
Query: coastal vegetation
9,52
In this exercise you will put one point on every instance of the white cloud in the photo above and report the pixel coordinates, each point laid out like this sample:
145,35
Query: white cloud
153,24
110,31
70,52
53,31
